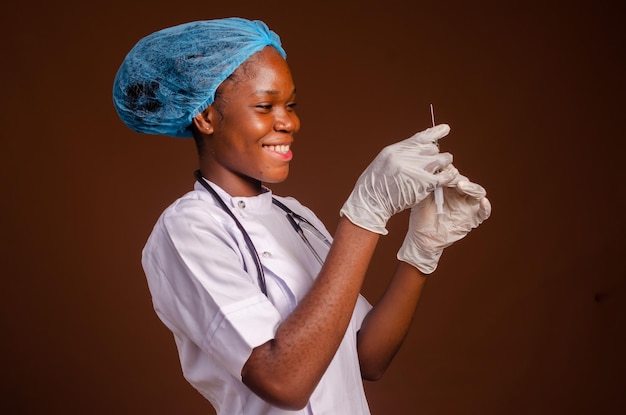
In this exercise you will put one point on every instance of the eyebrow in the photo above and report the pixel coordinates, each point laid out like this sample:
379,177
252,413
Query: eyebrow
270,92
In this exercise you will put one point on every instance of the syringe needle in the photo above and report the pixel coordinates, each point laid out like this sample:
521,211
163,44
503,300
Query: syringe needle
432,114
438,189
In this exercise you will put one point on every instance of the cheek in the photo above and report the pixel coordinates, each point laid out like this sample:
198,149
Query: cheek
260,126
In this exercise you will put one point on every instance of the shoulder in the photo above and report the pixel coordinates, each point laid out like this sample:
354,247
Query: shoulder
195,215
193,204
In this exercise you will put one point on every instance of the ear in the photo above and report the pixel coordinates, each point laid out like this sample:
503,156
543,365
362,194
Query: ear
203,121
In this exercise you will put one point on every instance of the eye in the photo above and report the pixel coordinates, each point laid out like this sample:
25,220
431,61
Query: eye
291,106
264,107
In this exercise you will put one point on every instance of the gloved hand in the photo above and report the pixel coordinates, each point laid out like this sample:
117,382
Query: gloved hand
465,207
400,176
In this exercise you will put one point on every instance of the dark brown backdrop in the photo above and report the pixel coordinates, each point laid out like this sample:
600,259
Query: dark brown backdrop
526,315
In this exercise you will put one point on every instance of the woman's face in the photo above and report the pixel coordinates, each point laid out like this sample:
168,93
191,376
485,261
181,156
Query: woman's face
253,123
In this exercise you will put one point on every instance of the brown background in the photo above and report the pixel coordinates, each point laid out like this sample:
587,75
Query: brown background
525,316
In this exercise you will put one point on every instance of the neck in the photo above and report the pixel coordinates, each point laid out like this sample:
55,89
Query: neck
234,184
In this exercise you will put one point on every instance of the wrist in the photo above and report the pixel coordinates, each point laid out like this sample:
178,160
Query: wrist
369,222
425,261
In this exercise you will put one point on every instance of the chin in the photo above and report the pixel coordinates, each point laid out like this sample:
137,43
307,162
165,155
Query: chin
276,176
275,180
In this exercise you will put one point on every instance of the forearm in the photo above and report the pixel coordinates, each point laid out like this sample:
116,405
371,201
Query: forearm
286,370
386,325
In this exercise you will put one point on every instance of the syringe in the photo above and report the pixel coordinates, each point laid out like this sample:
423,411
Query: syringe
438,189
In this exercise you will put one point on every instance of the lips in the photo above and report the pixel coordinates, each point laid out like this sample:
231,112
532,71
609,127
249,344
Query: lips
281,152
281,148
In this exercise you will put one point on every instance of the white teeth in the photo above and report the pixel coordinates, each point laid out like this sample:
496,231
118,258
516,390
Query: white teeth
279,149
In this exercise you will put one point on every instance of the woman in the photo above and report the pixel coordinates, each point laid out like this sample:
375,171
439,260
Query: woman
268,320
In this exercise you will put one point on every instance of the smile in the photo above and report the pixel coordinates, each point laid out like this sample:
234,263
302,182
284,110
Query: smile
281,149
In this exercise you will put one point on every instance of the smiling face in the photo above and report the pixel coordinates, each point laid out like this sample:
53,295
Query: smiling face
250,127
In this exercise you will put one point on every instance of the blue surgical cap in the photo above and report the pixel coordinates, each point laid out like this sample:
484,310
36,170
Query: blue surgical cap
171,76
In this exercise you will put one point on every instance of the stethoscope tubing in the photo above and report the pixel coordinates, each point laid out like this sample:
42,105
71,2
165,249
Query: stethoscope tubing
291,217
246,237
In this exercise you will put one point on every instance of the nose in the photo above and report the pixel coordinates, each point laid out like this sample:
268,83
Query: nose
287,121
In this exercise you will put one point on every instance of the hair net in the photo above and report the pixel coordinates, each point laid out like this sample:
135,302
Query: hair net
171,76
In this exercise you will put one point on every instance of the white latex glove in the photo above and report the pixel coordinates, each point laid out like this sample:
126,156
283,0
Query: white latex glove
465,207
400,176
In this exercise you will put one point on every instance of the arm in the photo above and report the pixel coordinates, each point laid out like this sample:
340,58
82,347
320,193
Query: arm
386,325
286,370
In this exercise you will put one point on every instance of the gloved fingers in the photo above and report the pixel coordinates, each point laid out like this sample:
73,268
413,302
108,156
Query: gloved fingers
473,190
430,149
484,209
430,135
409,147
458,178
447,175
439,163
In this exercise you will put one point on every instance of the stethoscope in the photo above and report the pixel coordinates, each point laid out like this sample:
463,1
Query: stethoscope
296,221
